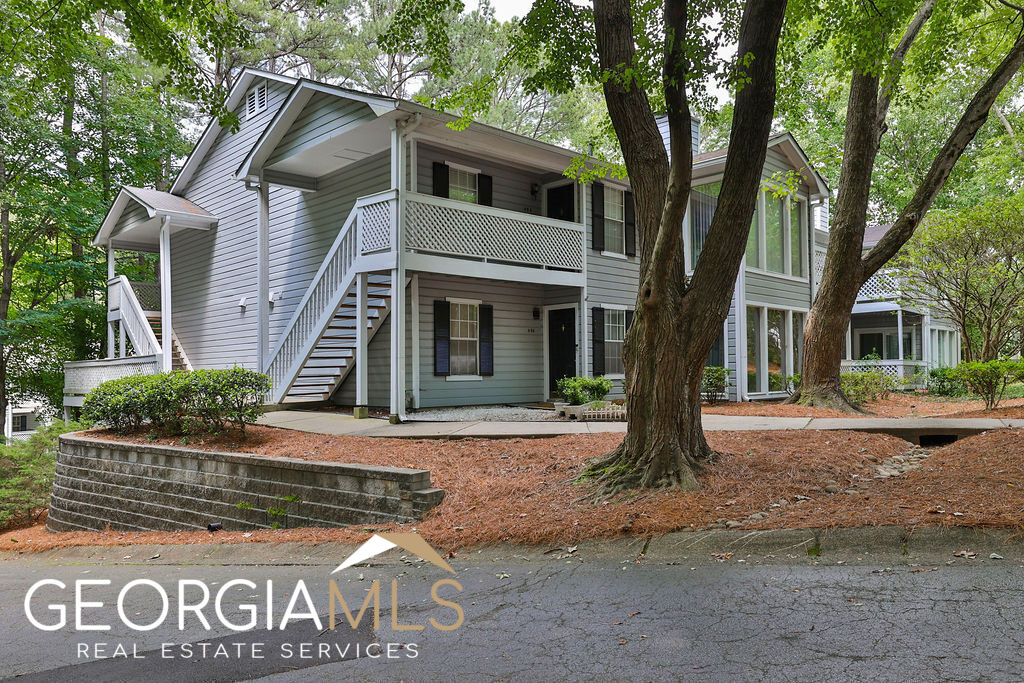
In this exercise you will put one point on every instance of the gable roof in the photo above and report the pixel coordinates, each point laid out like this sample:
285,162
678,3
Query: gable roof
213,128
181,211
788,147
300,95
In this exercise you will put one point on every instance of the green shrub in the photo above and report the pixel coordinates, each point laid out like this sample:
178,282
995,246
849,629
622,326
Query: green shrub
26,473
943,382
990,379
864,387
578,391
180,402
714,383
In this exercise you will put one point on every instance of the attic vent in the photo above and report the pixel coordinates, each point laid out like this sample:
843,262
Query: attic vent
256,100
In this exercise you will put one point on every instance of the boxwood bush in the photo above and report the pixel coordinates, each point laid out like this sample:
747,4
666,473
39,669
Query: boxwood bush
180,402
578,391
867,386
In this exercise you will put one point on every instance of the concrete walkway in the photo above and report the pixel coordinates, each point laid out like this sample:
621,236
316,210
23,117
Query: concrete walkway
322,422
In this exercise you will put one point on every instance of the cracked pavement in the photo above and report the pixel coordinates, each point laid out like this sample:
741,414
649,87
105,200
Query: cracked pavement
765,612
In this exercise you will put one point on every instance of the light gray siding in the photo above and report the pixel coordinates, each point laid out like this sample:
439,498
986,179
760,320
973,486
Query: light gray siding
378,373
212,270
132,216
304,226
766,289
512,186
323,117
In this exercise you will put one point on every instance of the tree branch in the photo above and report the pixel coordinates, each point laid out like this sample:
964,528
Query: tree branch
896,63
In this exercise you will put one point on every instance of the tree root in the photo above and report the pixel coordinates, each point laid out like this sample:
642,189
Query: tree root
827,399
616,472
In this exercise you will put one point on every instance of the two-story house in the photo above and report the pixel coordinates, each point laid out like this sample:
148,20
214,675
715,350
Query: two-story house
902,338
288,245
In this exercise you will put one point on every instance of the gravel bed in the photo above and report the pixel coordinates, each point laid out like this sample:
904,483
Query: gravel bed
485,414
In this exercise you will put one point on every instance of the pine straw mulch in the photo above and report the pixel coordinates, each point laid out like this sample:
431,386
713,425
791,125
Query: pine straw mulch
897,405
521,490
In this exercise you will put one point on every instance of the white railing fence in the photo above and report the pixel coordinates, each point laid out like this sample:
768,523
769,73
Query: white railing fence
81,377
325,293
453,228
133,318
883,285
902,370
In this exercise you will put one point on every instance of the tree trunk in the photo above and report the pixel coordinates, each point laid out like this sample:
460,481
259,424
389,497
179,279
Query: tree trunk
845,270
676,321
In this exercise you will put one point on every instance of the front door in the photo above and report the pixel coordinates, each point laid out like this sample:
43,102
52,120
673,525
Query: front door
562,203
561,345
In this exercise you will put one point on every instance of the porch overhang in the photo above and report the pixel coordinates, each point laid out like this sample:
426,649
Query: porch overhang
153,209
447,265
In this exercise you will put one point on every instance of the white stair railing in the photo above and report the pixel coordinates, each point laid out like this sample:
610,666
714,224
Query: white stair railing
325,293
137,327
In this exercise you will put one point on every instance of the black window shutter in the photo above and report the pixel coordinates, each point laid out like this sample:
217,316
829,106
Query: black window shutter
597,315
440,179
442,335
629,319
630,213
484,190
486,340
597,208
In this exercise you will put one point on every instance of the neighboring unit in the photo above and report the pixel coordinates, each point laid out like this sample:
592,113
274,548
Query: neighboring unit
289,244
887,333
22,420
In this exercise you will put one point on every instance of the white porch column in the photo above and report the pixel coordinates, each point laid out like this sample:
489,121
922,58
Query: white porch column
926,340
361,347
111,339
122,341
414,303
899,334
397,398
166,332
849,341
262,275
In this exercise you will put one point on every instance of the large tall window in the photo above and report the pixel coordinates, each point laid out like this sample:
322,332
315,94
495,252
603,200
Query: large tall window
754,244
797,244
614,220
753,349
703,200
465,338
776,350
774,236
614,337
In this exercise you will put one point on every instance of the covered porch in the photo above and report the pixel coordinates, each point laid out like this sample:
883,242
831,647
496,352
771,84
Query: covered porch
899,342
136,234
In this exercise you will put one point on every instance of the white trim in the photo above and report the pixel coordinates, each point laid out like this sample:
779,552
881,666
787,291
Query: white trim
580,323
456,300
166,331
614,307
462,167
431,263
615,254
781,307
414,295
464,378
577,199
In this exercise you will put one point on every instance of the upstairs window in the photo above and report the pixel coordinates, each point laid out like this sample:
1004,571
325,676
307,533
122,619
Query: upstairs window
256,100
614,338
775,244
614,221
462,184
797,243
703,200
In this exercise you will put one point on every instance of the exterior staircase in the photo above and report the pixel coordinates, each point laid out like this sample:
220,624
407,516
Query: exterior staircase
179,361
334,355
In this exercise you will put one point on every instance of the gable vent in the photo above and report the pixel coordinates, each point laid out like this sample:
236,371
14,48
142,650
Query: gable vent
256,100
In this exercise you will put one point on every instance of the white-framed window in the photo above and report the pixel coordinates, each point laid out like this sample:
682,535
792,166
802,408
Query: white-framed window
774,347
777,242
614,220
20,423
256,100
462,184
703,201
464,356
614,339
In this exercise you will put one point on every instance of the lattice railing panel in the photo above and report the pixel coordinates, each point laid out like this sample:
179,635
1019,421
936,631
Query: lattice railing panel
148,294
446,227
881,286
81,377
904,370
819,266
375,226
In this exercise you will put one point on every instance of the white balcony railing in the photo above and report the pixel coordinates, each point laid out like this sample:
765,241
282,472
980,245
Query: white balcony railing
882,286
447,227
81,377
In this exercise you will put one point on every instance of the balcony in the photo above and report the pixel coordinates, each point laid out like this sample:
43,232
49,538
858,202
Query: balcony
882,286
